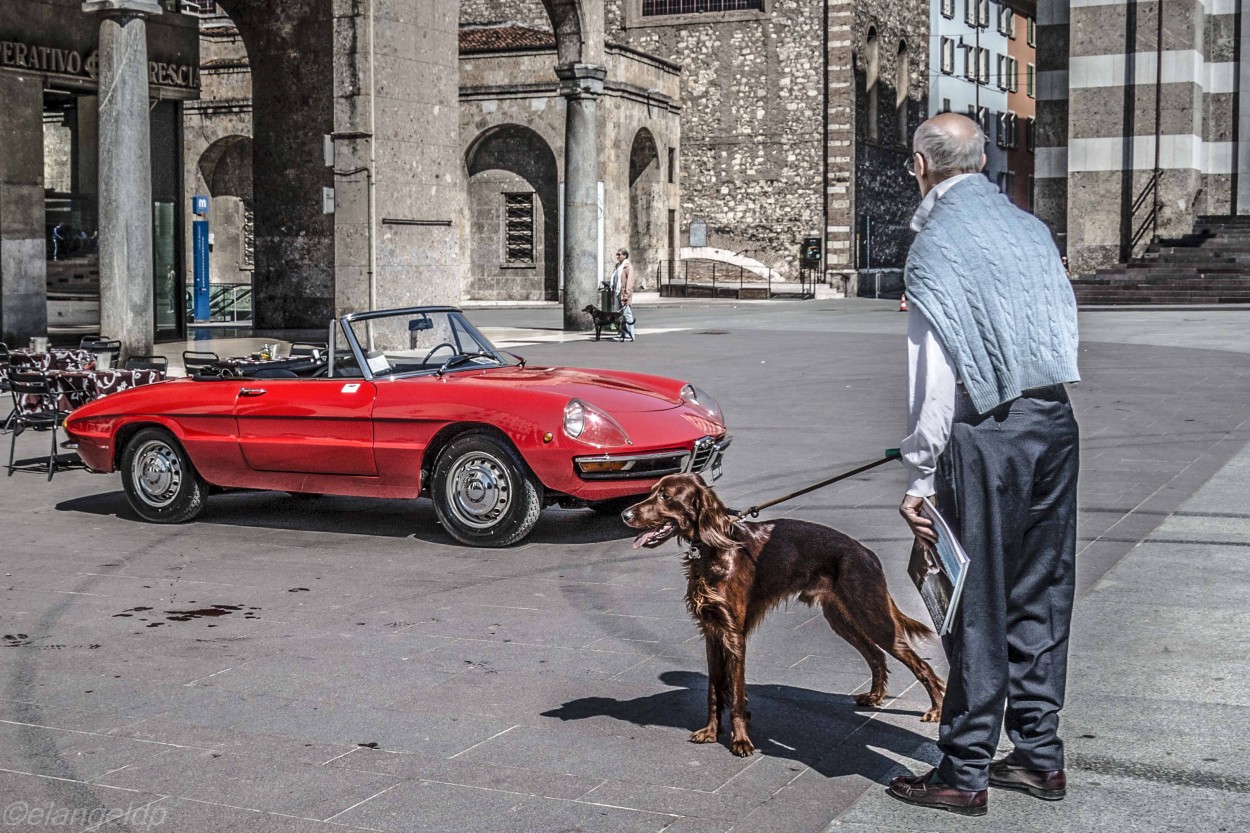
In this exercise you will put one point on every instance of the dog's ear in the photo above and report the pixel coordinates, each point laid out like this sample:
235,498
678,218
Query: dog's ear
712,519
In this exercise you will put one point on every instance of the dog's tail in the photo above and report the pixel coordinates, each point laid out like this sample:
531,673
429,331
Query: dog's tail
912,628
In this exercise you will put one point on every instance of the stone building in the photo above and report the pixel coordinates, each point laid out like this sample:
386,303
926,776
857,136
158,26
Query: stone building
217,149
796,115
90,195
512,130
790,110
1018,130
1104,94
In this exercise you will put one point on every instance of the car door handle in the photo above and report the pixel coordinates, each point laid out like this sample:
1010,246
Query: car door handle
252,391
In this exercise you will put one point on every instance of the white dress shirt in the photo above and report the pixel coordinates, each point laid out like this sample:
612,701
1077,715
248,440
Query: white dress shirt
931,380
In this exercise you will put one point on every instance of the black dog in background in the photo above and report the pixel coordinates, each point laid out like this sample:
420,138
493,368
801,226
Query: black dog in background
602,318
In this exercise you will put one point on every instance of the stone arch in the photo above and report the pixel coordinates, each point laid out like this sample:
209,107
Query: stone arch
872,78
646,203
226,167
512,159
291,55
568,22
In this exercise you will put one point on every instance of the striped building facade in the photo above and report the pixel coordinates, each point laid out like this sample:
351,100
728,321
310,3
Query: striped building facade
1099,69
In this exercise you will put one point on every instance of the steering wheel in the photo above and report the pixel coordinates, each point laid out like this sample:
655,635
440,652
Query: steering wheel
461,358
438,347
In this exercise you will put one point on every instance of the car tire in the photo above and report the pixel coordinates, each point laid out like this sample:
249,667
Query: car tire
484,493
615,506
161,483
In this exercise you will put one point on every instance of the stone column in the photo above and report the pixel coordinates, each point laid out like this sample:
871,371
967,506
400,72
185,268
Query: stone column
126,311
581,85
23,269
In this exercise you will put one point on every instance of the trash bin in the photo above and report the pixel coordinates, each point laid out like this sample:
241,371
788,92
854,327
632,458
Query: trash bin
607,298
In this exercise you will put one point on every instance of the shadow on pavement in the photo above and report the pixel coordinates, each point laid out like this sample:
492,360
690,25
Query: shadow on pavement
826,732
358,516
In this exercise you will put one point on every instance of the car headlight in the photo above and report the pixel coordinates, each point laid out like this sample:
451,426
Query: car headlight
585,422
704,401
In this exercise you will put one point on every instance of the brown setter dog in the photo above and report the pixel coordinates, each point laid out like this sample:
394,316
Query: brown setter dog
737,571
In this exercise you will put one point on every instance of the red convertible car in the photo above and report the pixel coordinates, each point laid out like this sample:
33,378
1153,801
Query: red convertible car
402,404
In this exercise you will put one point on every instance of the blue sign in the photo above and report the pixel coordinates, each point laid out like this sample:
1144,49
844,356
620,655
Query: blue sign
199,206
199,236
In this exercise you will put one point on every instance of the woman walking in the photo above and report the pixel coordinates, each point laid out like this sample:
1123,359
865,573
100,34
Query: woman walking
623,290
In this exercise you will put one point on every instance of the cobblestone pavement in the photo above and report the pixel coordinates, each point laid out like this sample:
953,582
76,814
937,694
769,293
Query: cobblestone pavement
362,670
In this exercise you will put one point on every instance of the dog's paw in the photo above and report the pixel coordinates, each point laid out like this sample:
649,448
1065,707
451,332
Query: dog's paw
933,715
743,748
705,735
870,699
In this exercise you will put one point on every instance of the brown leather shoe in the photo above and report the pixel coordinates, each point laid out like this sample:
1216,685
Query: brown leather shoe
1048,785
927,791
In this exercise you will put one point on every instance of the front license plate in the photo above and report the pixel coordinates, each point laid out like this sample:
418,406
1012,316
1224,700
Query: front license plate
714,471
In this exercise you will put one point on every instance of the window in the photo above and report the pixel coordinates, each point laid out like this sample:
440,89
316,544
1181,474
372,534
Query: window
970,11
1008,70
948,56
1030,135
1030,79
982,117
1032,32
970,68
948,9
518,229
946,105
983,65
1005,130
657,8
200,8
1006,182
672,165
1007,22
983,13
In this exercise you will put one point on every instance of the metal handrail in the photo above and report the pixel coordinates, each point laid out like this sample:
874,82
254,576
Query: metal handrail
1152,217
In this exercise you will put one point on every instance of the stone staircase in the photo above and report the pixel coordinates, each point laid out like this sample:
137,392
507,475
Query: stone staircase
1209,266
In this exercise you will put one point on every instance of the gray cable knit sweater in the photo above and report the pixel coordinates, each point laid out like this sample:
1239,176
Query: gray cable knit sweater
989,279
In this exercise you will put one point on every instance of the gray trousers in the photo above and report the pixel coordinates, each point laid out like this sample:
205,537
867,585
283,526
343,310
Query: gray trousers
1007,485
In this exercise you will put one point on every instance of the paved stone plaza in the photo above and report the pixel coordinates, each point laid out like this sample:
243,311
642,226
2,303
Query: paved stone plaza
310,664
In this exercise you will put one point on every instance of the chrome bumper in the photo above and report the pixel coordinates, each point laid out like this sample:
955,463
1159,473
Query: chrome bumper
705,457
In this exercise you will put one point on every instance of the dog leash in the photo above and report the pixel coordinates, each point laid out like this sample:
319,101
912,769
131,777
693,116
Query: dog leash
890,455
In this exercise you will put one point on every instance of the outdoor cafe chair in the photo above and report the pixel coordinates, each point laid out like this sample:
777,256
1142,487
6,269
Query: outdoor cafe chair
147,363
108,352
195,361
34,407
7,425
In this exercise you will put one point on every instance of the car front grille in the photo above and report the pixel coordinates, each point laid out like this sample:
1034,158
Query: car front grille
655,465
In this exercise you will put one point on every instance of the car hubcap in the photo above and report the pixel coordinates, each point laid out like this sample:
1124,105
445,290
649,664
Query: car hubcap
157,473
479,490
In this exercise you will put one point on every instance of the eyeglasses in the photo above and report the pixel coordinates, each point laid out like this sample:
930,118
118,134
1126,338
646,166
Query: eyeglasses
910,165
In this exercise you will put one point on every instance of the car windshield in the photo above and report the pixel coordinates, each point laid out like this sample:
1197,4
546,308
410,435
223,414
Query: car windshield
423,342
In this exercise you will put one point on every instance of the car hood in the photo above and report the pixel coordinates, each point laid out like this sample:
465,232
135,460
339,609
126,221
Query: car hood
612,394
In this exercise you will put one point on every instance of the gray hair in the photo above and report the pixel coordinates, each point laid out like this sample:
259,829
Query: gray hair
947,153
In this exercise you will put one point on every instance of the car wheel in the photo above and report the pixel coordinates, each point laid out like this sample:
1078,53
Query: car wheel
161,483
615,506
484,493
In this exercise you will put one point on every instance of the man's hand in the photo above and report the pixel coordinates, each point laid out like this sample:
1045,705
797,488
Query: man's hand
921,526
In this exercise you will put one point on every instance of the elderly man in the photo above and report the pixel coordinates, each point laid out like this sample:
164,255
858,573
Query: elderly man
992,339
